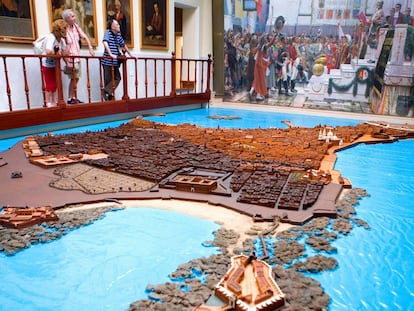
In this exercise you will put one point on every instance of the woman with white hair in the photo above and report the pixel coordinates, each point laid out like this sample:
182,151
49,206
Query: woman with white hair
74,34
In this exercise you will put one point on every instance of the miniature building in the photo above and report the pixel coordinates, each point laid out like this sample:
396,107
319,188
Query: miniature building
18,218
195,183
36,155
328,135
47,161
248,285
191,179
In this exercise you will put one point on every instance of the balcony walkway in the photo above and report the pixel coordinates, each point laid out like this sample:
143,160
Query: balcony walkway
147,85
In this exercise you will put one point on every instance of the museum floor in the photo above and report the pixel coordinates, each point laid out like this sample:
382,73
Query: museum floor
297,100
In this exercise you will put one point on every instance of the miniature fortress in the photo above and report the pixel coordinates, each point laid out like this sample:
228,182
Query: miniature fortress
247,286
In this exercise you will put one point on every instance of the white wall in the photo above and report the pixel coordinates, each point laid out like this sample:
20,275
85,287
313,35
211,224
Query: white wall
202,28
197,27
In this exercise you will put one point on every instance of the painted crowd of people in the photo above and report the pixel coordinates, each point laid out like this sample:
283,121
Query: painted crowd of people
274,62
271,62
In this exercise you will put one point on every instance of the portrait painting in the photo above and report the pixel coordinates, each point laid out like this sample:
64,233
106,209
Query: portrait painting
121,10
17,21
84,11
154,24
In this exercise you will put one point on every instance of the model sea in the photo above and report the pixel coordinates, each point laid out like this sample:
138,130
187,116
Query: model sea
107,265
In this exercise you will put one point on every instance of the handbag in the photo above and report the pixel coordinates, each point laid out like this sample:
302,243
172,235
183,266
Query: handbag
68,69
80,40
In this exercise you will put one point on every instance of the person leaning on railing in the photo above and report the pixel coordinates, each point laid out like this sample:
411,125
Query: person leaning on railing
112,41
54,45
74,34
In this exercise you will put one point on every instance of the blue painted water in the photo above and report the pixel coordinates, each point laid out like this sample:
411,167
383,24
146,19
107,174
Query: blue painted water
104,266
376,270
247,119
375,266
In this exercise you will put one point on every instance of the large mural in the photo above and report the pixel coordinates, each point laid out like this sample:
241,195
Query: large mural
271,47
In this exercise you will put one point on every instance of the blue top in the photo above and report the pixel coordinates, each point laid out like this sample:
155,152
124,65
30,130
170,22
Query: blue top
114,41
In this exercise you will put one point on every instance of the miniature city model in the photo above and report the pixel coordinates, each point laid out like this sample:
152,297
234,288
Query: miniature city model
264,173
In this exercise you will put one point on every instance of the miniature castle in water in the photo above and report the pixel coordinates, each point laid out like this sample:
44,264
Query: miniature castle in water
247,286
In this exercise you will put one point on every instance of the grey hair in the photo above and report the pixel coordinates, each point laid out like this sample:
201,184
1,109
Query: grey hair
65,13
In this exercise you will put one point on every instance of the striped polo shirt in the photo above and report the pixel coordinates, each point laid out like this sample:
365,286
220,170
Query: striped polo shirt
114,41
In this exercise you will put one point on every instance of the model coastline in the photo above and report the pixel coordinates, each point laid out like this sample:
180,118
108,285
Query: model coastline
251,143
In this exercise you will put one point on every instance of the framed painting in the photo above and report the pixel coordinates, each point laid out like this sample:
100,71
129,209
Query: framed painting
84,11
17,21
121,10
154,24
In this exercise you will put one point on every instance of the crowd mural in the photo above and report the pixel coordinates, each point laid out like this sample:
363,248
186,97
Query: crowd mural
271,62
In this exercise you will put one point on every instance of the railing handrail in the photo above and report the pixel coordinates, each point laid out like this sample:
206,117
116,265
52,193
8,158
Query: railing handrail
146,82
171,80
98,56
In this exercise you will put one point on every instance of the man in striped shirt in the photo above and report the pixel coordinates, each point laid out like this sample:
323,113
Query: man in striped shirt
112,41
